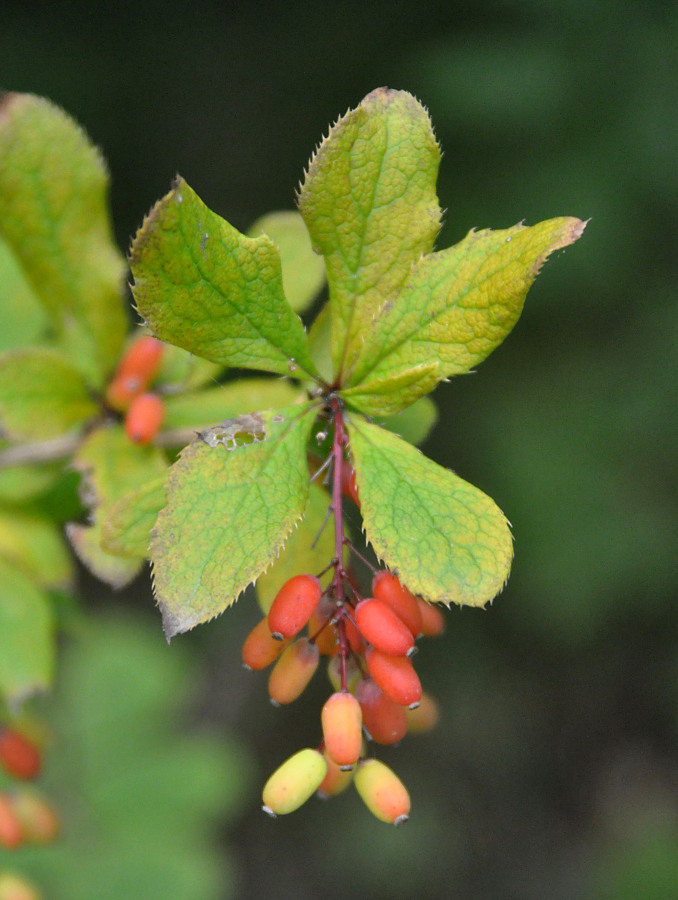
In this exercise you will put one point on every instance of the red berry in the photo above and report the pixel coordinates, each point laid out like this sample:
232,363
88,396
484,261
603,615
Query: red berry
293,671
432,619
382,628
348,485
387,588
144,418
342,728
18,755
136,370
353,636
395,675
294,604
384,720
261,648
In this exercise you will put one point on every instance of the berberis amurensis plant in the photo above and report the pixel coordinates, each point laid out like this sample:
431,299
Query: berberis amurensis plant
261,493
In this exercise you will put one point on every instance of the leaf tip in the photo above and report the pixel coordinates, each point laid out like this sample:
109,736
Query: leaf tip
171,624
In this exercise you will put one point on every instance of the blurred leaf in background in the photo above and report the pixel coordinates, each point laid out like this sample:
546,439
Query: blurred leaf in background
141,794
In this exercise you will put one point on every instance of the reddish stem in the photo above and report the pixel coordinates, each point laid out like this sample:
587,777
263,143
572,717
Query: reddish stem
338,444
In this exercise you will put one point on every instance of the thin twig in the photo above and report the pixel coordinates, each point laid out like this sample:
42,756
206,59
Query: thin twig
39,451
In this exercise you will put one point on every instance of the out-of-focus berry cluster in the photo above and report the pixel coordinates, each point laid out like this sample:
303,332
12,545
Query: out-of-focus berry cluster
26,816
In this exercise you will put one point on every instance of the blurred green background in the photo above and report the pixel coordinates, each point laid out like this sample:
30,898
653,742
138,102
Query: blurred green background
554,772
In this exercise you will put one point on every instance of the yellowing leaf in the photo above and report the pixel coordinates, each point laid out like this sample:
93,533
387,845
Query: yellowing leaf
111,466
445,539
394,392
54,218
459,304
204,286
233,498
126,529
370,206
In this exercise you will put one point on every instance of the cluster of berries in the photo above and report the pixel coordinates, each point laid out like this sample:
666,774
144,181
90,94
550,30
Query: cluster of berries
370,643
25,816
128,393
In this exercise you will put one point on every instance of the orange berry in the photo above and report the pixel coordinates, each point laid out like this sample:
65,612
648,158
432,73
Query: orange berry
294,782
424,717
342,720
387,588
382,791
261,648
38,819
395,675
320,628
144,418
384,720
136,370
11,830
19,756
432,619
293,671
122,390
336,780
294,604
382,628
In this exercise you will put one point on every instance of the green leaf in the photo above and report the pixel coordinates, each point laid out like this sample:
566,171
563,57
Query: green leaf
320,343
447,540
54,217
459,304
42,395
204,286
26,639
370,206
22,319
415,423
35,545
234,496
19,483
200,409
303,270
111,466
389,395
126,530
182,371
308,549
